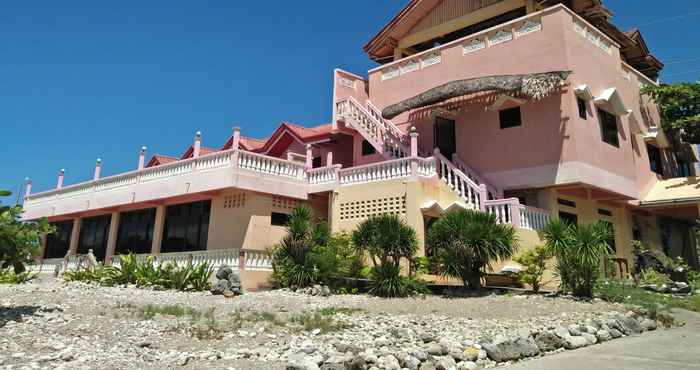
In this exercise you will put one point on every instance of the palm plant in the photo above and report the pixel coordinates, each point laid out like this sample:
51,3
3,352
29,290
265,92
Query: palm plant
467,241
291,262
579,251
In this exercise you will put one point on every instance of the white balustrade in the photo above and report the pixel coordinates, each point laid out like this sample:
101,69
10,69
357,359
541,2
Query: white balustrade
258,260
533,218
503,209
510,211
474,176
465,187
323,175
379,171
215,160
271,165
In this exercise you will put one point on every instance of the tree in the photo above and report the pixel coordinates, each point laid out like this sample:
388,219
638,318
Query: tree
467,241
291,262
535,263
679,106
579,251
19,240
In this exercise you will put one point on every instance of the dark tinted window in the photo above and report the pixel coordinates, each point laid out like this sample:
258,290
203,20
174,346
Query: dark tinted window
581,108
604,212
94,232
316,162
57,244
567,203
655,159
186,227
136,232
367,148
279,219
608,128
510,117
568,217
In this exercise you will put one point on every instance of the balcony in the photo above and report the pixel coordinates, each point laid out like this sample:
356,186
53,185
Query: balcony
533,43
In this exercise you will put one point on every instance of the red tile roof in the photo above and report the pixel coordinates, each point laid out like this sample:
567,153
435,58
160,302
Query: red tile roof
158,159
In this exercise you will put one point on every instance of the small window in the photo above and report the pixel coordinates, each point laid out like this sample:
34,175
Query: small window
655,159
567,203
569,218
604,212
367,148
279,219
581,108
510,117
608,128
316,162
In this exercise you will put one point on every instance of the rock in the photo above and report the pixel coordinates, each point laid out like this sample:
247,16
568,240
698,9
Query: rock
446,363
435,349
562,332
300,361
223,272
590,329
228,293
458,356
573,342
325,291
471,353
648,324
548,341
427,366
333,366
420,354
681,287
467,365
357,363
590,338
426,337
388,362
603,335
629,324
615,333
219,287
411,362
527,347
574,330
502,351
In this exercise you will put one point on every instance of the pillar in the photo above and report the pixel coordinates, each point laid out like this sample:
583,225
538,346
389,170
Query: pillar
197,144
309,157
236,138
483,196
142,158
112,237
329,159
59,182
75,236
414,142
28,187
158,225
98,169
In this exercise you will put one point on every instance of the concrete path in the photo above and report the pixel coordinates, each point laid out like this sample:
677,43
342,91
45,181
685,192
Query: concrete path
675,349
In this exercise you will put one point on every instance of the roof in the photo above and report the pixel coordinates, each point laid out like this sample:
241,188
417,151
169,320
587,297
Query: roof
158,159
673,191
202,151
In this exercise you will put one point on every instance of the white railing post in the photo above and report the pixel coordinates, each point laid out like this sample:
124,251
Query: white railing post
142,158
28,187
59,182
483,196
98,169
515,213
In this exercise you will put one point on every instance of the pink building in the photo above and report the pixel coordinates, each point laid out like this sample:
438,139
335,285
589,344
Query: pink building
576,141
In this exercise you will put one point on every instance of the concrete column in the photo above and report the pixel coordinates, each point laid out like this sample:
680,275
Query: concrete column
483,197
28,187
414,142
197,144
414,216
309,157
75,236
329,159
59,182
158,230
43,239
236,138
98,169
112,237
142,158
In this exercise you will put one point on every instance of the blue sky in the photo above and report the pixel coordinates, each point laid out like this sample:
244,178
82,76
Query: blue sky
81,80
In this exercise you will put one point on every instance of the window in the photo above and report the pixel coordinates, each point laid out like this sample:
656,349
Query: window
569,218
581,108
683,169
316,162
94,232
510,117
186,227
135,232
655,159
608,128
57,244
567,203
279,219
604,212
367,148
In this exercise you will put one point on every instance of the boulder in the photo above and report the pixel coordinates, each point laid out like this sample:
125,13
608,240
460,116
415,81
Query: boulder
446,363
615,333
223,272
574,330
603,335
325,291
648,324
220,286
502,351
628,324
573,342
590,338
548,341
388,362
228,293
471,353
357,363
467,365
527,347
411,363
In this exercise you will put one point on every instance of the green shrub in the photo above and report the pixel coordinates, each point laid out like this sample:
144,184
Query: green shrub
466,242
579,251
535,263
8,276
147,273
653,277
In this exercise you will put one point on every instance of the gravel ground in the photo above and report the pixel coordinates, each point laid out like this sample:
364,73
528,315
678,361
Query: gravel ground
52,324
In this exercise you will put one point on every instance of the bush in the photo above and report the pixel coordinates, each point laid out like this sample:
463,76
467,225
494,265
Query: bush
535,263
467,241
20,241
147,273
8,276
579,252
653,277
388,240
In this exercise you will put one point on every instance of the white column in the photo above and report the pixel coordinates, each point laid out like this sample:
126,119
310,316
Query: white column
75,236
28,187
158,225
309,157
59,182
112,237
98,169
142,158
197,144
